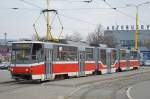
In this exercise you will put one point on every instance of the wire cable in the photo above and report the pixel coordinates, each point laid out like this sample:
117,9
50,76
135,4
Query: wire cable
31,4
77,19
68,0
121,12
16,8
62,28
83,9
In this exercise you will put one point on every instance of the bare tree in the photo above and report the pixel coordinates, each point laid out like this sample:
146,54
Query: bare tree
97,37
110,41
76,36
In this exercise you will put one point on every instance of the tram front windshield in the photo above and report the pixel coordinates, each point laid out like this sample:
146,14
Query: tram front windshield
26,53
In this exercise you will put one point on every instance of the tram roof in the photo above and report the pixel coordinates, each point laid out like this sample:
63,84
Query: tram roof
28,42
69,43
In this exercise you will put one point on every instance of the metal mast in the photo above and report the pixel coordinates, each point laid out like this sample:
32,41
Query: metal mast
136,31
48,27
46,12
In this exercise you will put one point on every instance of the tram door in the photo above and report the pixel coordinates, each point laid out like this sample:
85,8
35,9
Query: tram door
113,59
108,62
128,58
48,63
96,58
81,57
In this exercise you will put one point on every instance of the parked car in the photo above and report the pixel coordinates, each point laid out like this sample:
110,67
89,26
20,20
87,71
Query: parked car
4,65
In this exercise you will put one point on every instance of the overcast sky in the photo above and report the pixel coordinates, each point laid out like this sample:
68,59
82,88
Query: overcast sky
75,16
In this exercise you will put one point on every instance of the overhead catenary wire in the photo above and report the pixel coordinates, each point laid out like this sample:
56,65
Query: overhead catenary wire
69,0
121,12
111,7
77,19
60,9
83,9
62,28
31,4
19,8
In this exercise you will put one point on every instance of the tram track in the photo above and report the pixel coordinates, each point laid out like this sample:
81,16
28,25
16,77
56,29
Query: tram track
79,88
113,85
9,86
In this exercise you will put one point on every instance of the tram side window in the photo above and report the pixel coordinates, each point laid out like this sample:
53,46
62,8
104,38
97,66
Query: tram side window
66,53
103,56
89,54
133,55
37,52
122,54
114,56
128,56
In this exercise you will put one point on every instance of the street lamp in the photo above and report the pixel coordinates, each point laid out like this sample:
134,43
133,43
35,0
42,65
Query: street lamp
5,34
136,32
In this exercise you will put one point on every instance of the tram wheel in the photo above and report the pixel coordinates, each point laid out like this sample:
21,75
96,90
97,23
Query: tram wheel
135,68
17,79
118,69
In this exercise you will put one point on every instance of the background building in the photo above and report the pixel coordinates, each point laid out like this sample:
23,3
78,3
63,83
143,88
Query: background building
125,37
5,50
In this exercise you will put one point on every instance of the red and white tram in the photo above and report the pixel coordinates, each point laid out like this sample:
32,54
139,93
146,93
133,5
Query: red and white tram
34,60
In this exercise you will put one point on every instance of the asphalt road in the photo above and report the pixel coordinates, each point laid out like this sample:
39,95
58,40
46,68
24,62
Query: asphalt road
140,90
108,86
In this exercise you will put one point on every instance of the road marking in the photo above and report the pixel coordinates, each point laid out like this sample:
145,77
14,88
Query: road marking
74,91
77,89
61,97
128,93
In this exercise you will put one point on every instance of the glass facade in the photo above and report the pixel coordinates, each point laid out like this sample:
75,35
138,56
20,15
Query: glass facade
125,38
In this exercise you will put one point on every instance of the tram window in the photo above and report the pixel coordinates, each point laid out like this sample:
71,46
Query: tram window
122,54
21,53
21,56
89,54
65,53
103,56
82,55
128,56
48,55
133,55
114,56
37,52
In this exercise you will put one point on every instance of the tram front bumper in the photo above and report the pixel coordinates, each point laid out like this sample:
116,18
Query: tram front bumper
22,76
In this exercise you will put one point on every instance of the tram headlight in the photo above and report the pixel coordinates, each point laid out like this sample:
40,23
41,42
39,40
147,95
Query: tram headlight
11,69
27,69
